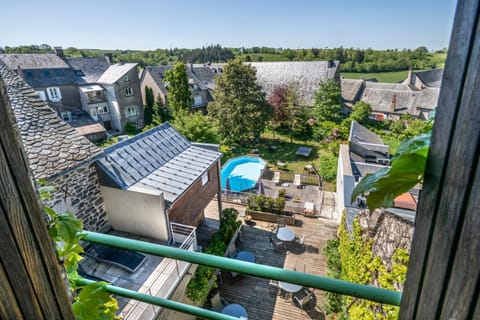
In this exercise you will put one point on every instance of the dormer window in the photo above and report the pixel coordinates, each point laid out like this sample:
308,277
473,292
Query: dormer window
128,91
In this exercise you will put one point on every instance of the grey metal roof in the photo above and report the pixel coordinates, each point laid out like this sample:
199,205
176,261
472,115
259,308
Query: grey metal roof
115,72
33,61
52,146
160,159
88,70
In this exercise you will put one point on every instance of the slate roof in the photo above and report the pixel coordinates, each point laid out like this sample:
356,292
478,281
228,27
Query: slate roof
160,159
158,74
206,75
407,101
351,89
88,70
431,78
115,72
52,146
33,61
360,134
305,75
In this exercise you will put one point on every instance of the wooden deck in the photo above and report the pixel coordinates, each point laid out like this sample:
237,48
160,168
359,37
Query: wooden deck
255,294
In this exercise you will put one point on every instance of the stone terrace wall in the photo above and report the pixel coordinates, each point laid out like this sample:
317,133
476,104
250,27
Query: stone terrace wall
79,192
389,232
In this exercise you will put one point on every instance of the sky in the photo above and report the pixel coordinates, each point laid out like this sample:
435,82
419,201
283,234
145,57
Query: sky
143,25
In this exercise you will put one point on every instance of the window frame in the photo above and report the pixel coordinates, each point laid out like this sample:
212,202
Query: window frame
128,91
205,178
54,94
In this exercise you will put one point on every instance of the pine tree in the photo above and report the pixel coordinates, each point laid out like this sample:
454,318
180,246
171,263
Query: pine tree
149,105
240,107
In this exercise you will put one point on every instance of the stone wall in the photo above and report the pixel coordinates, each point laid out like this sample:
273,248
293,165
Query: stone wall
79,192
388,231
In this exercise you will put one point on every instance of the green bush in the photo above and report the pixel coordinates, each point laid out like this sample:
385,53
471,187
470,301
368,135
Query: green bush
266,204
131,128
197,288
328,168
282,193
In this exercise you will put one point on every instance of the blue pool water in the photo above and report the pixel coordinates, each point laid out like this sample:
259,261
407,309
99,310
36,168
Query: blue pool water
242,172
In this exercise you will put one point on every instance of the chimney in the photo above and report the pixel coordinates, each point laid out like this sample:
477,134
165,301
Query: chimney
59,52
409,76
394,101
109,57
330,64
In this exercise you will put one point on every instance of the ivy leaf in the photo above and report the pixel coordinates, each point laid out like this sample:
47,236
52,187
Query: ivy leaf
406,171
68,226
90,301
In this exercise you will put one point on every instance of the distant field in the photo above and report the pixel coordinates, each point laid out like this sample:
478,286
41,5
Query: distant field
391,77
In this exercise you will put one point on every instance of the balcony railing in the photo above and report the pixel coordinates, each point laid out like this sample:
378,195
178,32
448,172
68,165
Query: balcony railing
263,271
166,276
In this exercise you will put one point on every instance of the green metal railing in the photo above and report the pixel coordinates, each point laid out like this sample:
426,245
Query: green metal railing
263,271
169,304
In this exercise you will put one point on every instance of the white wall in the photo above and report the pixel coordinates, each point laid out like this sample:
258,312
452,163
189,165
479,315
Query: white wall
137,212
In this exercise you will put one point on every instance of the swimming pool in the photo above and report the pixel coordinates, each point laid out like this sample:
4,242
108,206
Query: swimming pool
242,172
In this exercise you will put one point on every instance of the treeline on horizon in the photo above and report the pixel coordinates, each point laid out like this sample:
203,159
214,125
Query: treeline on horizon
352,60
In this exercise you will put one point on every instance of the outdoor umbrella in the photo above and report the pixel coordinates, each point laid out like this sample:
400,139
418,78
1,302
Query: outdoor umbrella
227,186
261,189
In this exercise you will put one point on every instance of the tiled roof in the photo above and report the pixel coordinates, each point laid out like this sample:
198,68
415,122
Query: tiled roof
115,72
33,61
52,146
305,75
88,70
206,76
431,78
160,159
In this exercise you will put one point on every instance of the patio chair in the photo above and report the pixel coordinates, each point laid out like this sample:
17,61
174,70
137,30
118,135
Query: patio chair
274,286
276,177
281,223
301,240
297,181
218,303
302,298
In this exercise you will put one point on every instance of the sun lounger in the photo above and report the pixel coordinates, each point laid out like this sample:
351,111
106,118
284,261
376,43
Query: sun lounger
124,259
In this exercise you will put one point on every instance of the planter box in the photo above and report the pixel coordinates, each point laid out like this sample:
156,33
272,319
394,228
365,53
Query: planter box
270,217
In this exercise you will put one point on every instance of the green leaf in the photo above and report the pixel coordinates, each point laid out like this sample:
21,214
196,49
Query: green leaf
68,226
407,169
93,302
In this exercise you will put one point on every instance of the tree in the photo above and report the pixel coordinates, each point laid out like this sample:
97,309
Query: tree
361,112
196,127
162,112
278,100
240,107
149,106
328,102
179,96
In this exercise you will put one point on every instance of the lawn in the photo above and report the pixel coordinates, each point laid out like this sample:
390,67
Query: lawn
390,77
284,152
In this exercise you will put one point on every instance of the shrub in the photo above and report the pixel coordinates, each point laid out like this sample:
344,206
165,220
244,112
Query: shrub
328,168
282,193
131,128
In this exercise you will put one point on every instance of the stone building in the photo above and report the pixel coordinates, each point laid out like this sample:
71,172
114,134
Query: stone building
54,81
122,90
305,76
416,96
56,153
152,77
